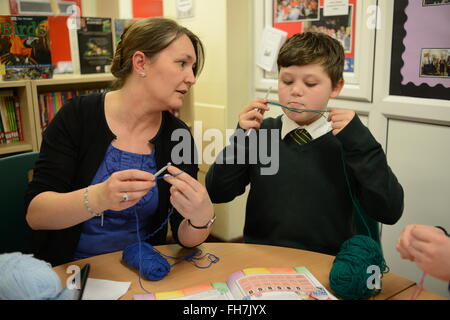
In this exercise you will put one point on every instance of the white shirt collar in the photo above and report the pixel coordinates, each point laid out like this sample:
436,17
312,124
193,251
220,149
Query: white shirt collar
316,129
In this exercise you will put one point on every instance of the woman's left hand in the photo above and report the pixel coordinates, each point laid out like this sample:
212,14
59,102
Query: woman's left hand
189,197
340,118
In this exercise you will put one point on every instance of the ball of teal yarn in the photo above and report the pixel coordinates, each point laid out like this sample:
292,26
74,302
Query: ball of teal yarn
349,274
24,277
153,265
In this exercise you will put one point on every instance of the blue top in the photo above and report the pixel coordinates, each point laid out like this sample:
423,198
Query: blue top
119,227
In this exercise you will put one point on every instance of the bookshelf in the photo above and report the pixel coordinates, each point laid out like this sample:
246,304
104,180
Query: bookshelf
28,92
64,83
22,90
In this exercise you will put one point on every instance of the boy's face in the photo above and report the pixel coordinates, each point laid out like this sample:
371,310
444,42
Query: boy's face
305,87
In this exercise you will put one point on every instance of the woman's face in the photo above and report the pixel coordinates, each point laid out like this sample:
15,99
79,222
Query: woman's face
170,74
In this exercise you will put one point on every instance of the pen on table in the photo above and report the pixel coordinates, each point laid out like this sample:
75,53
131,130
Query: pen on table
267,96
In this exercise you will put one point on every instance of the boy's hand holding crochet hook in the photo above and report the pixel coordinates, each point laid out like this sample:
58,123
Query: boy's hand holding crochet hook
252,115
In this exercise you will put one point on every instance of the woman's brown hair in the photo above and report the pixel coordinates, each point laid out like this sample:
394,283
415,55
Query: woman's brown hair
150,36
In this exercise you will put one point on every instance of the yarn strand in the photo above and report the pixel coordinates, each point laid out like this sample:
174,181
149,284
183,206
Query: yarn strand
150,263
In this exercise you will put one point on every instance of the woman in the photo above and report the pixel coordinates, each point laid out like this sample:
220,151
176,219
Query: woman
94,182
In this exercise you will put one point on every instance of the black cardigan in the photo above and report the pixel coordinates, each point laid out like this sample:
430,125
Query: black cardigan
73,147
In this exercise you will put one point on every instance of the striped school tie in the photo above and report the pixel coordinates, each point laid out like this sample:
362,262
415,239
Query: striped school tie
300,136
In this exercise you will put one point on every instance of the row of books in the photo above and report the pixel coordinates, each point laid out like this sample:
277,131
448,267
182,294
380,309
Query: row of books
35,47
51,102
11,129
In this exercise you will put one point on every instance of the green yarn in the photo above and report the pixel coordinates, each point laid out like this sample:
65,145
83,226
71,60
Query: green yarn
348,276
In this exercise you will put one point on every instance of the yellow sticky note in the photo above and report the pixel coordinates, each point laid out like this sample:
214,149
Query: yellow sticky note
2,69
248,271
282,270
169,295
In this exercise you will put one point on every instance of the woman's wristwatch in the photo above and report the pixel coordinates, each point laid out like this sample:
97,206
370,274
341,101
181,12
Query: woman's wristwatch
206,226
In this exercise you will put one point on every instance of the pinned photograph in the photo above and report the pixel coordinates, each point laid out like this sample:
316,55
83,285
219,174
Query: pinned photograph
296,10
426,3
435,63
338,27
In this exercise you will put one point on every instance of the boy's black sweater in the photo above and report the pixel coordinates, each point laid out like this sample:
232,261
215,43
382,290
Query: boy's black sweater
307,204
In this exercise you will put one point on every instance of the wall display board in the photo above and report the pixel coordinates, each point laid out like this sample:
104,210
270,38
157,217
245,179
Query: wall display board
352,22
297,16
420,57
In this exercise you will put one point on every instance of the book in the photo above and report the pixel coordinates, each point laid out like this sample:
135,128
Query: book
25,48
11,129
11,108
18,117
8,135
91,45
51,102
119,27
2,131
253,284
60,44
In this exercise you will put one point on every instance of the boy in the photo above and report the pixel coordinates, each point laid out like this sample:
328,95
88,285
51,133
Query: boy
307,203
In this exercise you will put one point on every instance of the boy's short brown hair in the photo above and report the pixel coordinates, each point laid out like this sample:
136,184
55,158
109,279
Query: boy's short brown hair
314,47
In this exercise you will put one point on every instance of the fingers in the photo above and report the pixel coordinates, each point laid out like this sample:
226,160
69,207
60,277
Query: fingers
417,242
340,118
188,196
183,182
403,243
404,253
134,174
256,104
425,240
253,114
125,188
131,181
426,233
252,119
135,186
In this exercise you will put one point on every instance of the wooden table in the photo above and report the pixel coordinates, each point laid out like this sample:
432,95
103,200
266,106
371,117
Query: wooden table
233,257
424,295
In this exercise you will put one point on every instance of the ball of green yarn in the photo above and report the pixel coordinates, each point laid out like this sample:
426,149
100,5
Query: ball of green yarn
348,276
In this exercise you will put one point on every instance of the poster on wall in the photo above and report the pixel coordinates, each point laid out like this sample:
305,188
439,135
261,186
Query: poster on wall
420,58
333,17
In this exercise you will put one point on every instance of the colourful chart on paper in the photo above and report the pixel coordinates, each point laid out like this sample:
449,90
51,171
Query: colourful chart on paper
257,284
277,283
253,284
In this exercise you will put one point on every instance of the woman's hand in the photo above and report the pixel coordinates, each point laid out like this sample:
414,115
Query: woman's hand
428,247
123,189
404,243
189,197
250,117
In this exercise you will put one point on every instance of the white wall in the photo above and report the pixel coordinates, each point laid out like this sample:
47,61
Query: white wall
422,168
417,138
4,7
